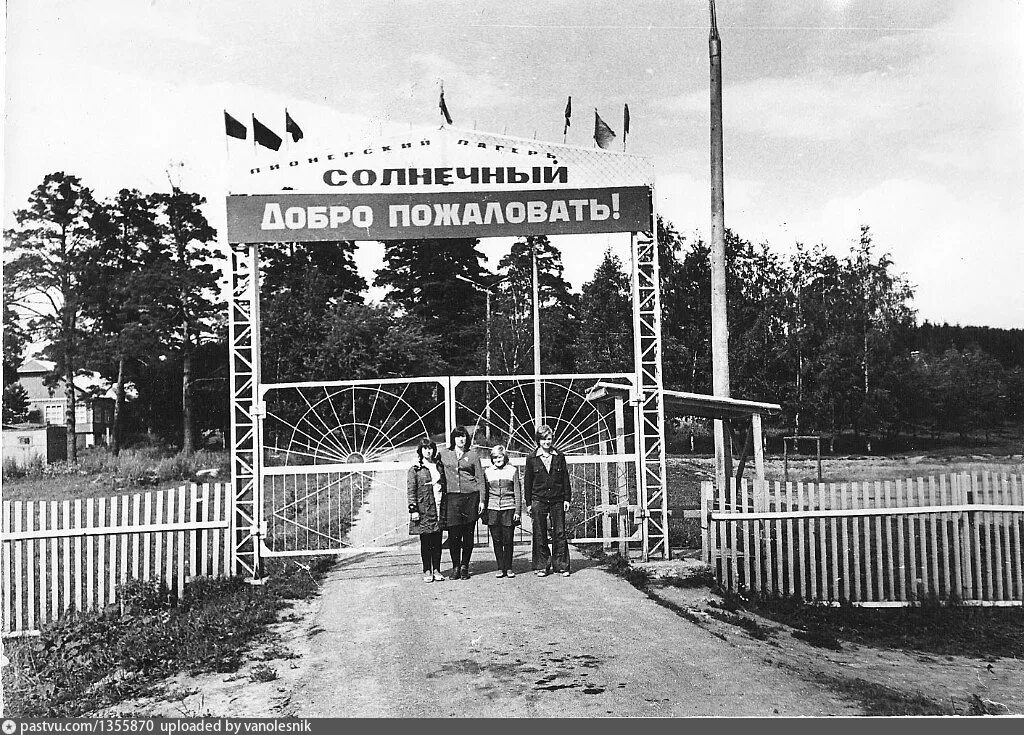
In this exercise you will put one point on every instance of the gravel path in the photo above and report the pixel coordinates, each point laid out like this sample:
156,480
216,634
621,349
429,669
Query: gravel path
385,644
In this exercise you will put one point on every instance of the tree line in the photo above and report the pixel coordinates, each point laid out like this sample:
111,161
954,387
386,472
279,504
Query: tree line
128,287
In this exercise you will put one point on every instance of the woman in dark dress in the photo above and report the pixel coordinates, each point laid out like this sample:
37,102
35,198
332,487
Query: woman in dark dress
464,484
426,497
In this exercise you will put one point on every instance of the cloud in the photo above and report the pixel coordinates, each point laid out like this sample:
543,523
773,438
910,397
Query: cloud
820,107
149,126
964,74
471,89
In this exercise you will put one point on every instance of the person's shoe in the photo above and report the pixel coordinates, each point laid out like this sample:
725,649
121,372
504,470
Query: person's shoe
542,572
464,573
456,572
428,577
564,574
437,576
510,574
499,574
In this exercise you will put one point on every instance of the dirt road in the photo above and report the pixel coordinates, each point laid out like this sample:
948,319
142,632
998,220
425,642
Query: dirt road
385,644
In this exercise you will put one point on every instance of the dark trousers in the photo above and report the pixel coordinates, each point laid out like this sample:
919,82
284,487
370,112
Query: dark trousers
556,558
460,543
430,551
501,539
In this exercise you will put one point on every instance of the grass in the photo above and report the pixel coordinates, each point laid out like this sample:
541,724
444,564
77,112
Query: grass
94,660
262,673
879,700
100,473
941,628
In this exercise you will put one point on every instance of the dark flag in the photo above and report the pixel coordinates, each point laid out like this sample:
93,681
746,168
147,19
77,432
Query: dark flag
444,108
603,134
292,128
568,114
233,128
625,122
265,136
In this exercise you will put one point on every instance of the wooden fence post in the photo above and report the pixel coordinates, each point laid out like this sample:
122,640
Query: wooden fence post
705,509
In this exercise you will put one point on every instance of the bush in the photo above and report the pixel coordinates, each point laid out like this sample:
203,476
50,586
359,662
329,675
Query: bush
96,659
131,467
12,469
261,673
138,596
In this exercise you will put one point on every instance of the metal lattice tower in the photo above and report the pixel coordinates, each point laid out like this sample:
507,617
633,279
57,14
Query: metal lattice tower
647,356
244,337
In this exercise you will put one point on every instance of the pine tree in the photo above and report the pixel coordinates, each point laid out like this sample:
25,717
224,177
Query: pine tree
118,293
301,284
185,274
48,241
15,403
604,340
421,276
14,334
558,305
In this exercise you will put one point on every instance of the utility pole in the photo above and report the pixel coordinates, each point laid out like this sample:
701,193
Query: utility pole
537,402
719,311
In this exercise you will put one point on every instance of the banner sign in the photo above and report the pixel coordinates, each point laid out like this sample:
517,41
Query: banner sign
435,161
288,217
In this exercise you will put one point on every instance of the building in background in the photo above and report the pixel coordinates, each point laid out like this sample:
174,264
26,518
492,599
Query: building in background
25,443
94,413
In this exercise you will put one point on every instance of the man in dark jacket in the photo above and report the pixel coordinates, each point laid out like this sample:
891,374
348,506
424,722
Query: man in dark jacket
546,494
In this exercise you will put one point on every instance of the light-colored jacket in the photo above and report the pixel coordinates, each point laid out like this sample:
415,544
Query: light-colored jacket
503,489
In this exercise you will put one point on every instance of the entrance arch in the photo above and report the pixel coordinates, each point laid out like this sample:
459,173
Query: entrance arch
434,184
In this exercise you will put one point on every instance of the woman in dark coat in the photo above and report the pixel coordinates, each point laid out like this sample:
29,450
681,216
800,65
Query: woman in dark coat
426,484
464,483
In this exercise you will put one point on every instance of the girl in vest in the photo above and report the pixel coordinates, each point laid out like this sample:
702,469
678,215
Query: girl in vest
502,505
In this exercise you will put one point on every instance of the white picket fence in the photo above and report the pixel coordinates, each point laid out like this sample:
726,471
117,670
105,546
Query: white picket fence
882,544
57,556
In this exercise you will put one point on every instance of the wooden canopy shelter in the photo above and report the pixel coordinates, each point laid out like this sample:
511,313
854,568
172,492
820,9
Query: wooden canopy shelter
731,410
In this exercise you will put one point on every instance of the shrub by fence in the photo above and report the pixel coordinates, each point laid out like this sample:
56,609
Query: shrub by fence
57,556
892,543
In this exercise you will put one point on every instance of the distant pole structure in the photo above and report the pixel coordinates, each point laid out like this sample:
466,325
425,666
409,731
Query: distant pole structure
719,310
488,292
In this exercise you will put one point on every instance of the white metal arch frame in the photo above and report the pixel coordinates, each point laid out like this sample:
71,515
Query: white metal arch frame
568,174
247,406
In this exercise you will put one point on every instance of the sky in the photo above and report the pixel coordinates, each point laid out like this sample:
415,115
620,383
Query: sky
907,117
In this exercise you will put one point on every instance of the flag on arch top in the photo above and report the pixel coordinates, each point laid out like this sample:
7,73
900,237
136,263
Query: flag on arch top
233,128
603,135
292,128
568,114
444,108
265,136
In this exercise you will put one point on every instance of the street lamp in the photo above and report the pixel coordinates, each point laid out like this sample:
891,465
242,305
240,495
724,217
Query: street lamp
487,291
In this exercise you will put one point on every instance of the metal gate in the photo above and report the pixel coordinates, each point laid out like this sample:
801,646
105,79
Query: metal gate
335,455
335,458
598,439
